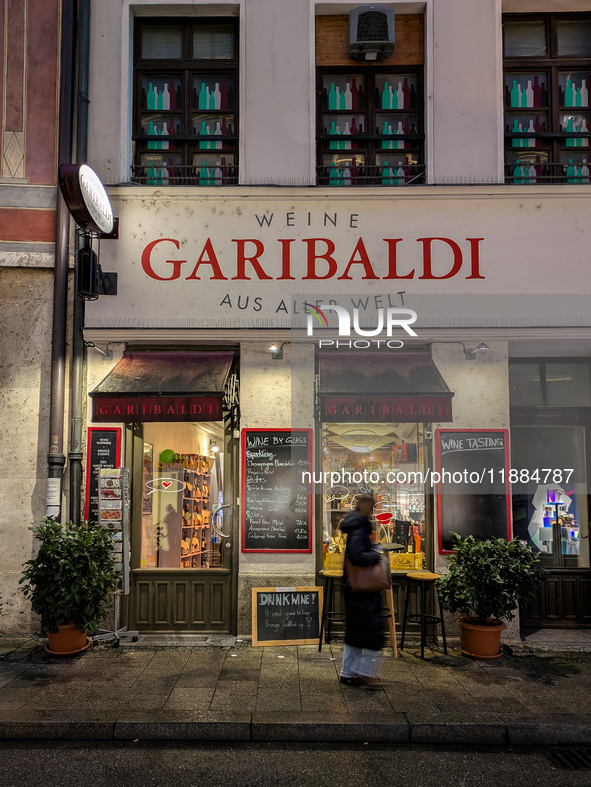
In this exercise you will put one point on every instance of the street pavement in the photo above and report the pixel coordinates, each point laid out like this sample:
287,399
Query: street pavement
244,693
156,764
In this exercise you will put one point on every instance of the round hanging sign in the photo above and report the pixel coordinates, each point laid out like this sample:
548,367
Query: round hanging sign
86,198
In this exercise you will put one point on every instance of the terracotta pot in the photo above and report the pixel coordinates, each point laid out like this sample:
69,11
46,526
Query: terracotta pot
481,642
68,640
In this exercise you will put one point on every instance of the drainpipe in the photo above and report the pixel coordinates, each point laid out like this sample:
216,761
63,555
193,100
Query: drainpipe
56,458
77,373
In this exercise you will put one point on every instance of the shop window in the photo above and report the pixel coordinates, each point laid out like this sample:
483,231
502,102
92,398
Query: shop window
370,120
185,103
547,62
550,493
182,487
550,383
385,459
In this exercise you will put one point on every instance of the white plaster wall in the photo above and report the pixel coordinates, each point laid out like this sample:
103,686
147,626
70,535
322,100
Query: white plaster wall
467,91
266,402
481,401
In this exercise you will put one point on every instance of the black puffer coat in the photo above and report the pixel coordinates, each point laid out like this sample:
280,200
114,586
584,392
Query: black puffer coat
364,625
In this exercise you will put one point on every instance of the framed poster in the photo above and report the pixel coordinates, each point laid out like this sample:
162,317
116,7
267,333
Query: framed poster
474,494
276,498
103,450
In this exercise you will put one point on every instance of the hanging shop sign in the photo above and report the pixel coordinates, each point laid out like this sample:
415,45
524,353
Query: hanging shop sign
86,198
276,497
129,409
472,482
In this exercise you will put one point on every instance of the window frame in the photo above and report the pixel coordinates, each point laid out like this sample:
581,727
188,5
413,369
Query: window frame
542,364
551,63
372,141
185,68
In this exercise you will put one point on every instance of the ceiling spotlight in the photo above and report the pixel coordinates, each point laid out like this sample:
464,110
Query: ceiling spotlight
470,352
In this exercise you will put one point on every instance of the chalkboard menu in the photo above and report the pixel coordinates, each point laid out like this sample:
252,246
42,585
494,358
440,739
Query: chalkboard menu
286,616
473,494
276,495
103,451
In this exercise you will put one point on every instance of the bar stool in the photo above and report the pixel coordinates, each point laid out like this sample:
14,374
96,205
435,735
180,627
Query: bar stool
422,578
329,615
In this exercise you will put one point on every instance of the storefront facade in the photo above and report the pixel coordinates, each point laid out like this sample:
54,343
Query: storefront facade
218,259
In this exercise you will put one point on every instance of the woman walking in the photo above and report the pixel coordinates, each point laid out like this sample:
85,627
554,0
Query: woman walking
364,624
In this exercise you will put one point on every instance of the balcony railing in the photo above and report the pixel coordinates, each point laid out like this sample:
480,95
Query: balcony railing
381,175
525,172
185,175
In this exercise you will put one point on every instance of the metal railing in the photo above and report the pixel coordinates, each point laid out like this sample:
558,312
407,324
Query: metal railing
524,172
376,175
185,175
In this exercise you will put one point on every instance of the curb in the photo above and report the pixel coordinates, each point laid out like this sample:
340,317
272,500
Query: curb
275,726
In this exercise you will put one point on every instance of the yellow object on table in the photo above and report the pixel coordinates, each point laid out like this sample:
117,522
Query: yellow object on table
412,560
334,560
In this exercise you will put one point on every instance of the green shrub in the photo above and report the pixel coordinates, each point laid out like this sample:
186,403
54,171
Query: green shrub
488,579
72,576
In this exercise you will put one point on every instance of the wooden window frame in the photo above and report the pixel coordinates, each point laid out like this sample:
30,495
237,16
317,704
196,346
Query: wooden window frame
551,63
372,141
185,69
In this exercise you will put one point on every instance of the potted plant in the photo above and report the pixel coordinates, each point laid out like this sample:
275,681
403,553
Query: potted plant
486,582
70,581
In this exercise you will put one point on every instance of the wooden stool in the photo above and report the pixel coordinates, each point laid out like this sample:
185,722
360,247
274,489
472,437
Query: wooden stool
422,577
329,615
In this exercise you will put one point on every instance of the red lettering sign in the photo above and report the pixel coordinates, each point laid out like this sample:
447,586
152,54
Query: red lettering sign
129,409
375,409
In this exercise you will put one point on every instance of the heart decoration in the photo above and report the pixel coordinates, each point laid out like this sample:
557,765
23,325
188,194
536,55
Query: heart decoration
166,484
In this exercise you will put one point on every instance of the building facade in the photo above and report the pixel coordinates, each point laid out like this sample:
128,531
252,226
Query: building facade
262,179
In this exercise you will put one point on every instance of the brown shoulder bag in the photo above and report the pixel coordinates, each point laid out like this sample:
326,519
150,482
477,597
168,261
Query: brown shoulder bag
369,579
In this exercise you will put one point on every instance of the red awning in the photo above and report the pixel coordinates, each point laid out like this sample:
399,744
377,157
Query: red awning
382,386
163,385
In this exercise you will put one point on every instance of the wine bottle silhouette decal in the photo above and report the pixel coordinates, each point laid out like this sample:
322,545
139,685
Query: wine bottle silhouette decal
203,133
386,99
400,175
531,143
217,174
333,133
150,97
386,145
333,175
332,97
406,93
150,175
516,143
570,172
571,142
346,133
217,97
223,94
348,96
583,141
204,175
202,97
166,97
584,93
164,145
158,98
400,96
217,133
354,94
386,175
537,92
529,94
152,132
515,95
172,96
569,97
517,173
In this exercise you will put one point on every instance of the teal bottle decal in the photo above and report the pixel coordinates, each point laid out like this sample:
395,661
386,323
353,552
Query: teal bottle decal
386,97
333,133
150,97
571,142
203,133
333,176
569,97
332,97
386,145
515,97
204,175
152,132
516,142
386,175
570,172
578,97
517,173
150,175
202,97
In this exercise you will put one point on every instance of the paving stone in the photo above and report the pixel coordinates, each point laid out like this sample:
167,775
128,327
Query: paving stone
323,703
318,727
196,679
55,724
183,725
189,699
237,688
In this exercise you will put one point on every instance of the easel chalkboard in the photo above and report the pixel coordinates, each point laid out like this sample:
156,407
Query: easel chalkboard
286,616
276,499
473,496
103,450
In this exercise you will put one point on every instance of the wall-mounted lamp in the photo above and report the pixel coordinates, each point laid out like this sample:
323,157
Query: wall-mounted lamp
470,352
213,446
276,351
107,354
